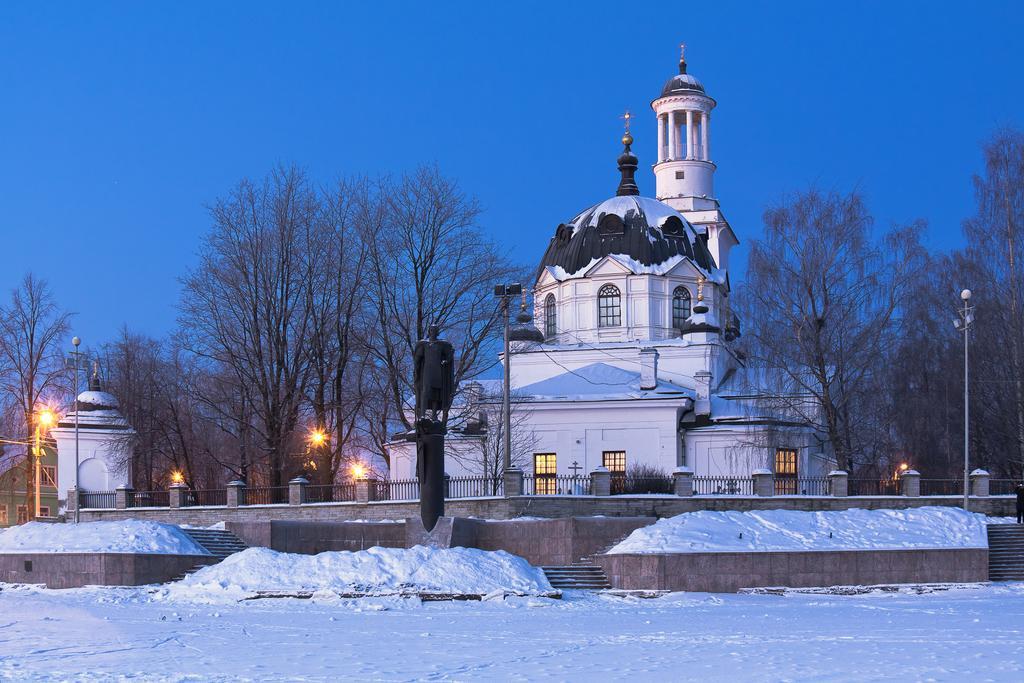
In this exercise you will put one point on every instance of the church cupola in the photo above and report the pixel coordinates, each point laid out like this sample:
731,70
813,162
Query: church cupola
684,172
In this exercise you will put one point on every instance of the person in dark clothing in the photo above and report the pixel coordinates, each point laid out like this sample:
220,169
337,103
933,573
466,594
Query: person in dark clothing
1020,503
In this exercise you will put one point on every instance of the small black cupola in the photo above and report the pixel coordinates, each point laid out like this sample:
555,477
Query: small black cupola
627,165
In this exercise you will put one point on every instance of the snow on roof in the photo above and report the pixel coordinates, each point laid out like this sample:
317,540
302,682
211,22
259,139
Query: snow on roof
599,381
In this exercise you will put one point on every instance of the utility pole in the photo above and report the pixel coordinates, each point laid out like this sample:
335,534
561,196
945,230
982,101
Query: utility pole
76,355
505,294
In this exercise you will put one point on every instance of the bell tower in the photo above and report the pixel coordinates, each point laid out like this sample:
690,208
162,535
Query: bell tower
684,172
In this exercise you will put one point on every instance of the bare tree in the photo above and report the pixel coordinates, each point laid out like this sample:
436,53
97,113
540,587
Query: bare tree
32,329
820,308
246,306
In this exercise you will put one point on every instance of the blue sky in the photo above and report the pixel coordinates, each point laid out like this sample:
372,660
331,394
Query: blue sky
121,121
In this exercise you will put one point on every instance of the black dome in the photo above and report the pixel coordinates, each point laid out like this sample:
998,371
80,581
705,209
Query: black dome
680,84
639,229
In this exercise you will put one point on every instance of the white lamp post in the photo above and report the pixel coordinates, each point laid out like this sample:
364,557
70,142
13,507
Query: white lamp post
963,324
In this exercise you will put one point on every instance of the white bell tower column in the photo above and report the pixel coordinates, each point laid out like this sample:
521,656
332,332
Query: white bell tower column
685,178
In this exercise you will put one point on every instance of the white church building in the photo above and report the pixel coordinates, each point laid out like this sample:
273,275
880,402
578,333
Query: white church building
638,364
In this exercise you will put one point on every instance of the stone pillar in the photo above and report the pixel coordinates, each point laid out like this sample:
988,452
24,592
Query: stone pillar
682,480
366,490
176,495
911,481
236,493
979,483
72,501
121,494
689,135
661,138
601,482
764,483
297,490
512,482
705,128
838,483
673,134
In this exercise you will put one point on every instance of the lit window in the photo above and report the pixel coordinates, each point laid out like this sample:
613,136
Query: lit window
550,317
785,471
22,514
544,474
615,462
3,515
680,307
608,308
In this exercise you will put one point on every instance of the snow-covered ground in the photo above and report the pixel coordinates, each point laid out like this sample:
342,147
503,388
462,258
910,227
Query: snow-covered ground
856,529
126,536
375,570
115,634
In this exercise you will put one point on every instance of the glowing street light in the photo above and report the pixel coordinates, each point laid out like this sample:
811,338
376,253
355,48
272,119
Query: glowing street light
177,477
317,437
45,419
358,471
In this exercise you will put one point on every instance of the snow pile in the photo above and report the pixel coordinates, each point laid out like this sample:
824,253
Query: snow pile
376,570
125,536
856,529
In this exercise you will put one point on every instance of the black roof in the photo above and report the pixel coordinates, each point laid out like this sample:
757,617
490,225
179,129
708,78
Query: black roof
681,83
640,228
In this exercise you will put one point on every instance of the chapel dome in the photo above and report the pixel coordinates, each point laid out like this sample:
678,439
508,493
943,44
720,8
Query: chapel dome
97,400
641,232
681,84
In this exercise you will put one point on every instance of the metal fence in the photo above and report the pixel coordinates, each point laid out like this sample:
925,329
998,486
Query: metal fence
942,487
1003,487
723,486
473,487
264,495
148,499
205,497
97,499
873,487
556,485
330,493
802,486
398,489
626,485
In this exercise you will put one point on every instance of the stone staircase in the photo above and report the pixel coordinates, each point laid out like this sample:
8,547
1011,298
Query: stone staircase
1006,552
217,542
577,576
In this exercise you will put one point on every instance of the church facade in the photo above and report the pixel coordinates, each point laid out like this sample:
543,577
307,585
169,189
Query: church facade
639,364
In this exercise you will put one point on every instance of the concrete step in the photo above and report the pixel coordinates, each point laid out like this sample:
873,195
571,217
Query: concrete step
218,542
1005,552
577,577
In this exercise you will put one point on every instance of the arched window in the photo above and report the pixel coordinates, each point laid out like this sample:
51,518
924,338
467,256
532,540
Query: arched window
609,311
680,307
550,317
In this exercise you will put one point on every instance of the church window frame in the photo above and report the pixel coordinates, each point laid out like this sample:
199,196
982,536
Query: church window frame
609,306
787,468
550,316
48,476
545,474
682,306
615,463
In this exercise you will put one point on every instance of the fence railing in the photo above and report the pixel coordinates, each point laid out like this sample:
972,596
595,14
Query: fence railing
330,493
473,487
398,489
556,485
205,497
723,486
802,486
1003,487
97,499
264,495
148,499
627,485
942,487
873,487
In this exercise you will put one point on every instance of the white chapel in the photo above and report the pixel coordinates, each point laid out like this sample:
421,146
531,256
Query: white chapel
638,364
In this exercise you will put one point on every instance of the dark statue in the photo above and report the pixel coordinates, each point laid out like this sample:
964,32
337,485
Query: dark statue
434,380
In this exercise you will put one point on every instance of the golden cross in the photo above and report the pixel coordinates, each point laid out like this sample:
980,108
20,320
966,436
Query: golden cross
626,117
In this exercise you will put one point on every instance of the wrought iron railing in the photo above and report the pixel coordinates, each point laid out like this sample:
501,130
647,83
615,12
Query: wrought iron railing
627,485
97,499
399,489
802,486
330,493
556,485
1003,487
873,487
148,499
264,495
723,486
473,487
205,497
942,487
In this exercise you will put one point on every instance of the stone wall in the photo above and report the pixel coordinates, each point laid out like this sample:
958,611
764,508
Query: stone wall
728,572
540,506
316,537
72,570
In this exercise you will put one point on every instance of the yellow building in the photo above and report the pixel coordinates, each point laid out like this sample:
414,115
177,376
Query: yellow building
16,505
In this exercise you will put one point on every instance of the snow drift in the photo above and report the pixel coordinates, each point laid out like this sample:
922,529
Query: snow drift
376,570
125,536
856,529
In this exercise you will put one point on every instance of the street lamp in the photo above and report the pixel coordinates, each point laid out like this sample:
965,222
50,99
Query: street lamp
523,331
963,324
75,355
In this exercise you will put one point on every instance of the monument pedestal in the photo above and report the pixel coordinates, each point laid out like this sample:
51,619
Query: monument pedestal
449,532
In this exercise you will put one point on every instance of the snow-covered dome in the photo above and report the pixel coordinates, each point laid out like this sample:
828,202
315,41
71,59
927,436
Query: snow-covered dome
681,83
97,400
636,228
